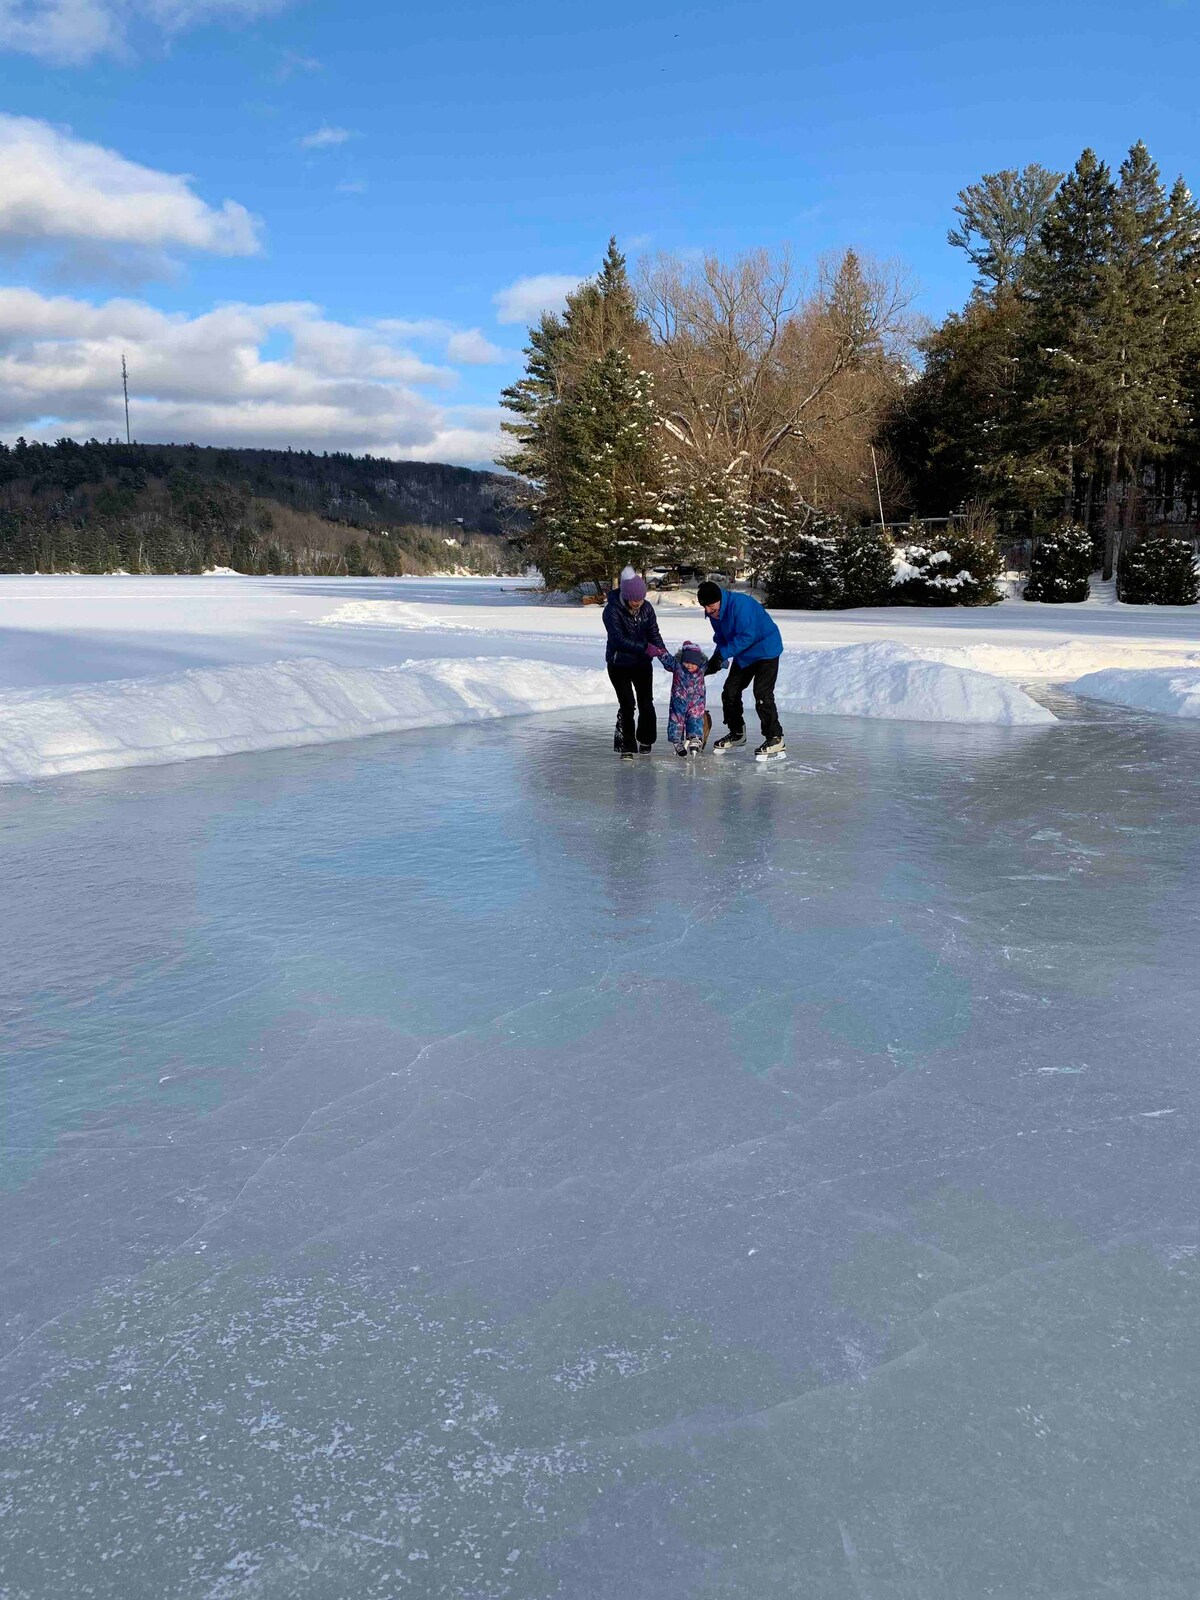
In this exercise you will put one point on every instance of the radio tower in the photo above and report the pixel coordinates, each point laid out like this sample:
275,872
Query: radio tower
125,387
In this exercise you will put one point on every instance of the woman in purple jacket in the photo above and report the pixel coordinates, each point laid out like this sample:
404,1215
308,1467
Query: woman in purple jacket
631,625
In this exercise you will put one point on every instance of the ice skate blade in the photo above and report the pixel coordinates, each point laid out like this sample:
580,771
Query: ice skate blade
779,755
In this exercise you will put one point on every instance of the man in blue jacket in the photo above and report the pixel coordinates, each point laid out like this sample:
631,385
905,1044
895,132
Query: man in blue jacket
750,644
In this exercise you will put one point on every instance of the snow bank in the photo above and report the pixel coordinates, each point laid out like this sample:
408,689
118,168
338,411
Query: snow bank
1175,692
386,614
890,680
228,710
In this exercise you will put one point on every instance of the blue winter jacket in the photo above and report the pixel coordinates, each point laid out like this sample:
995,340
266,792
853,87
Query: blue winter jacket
628,635
744,630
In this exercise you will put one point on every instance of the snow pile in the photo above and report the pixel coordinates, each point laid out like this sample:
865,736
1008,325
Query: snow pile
385,614
890,680
222,572
1175,692
1060,663
217,711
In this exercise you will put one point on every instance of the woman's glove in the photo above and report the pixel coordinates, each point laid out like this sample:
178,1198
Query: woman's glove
713,664
655,650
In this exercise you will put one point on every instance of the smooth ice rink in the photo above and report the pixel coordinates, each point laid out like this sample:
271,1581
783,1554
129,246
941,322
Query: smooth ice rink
457,1164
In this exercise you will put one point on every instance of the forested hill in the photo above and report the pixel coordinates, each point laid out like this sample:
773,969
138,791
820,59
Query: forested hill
159,508
358,490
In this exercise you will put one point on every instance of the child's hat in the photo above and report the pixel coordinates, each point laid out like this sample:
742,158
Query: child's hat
693,655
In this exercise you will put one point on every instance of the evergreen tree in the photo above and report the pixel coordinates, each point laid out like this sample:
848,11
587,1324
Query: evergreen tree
1063,424
1061,566
704,517
1141,388
961,568
866,557
1181,471
806,574
586,435
1159,570
603,510
999,218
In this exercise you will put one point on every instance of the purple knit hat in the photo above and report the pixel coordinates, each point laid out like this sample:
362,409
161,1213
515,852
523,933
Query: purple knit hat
693,654
633,588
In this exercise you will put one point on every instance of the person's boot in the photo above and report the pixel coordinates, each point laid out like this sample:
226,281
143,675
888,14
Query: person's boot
771,750
729,742
645,749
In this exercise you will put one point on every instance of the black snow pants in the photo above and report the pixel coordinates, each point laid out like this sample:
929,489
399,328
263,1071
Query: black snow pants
762,674
635,679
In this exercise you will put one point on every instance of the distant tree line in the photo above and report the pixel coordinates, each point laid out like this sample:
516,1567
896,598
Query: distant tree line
733,416
104,507
1066,393
701,416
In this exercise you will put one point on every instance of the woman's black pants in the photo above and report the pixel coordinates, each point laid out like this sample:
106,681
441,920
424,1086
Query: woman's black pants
635,680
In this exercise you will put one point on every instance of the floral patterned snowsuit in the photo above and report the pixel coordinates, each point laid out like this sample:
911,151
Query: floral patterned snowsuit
685,718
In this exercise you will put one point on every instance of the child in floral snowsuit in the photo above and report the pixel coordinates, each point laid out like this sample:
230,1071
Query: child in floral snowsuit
688,721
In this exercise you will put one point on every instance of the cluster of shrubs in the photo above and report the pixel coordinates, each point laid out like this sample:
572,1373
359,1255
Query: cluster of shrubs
1158,570
832,566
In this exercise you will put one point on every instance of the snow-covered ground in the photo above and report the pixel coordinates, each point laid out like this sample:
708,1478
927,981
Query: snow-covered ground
201,666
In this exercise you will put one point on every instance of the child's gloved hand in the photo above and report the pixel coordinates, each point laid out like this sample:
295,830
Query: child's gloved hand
655,650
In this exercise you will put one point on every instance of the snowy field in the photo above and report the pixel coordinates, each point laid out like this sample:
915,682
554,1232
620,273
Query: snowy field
204,666
456,1164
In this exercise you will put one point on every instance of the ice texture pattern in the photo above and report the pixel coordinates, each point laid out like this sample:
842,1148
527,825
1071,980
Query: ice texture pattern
461,1165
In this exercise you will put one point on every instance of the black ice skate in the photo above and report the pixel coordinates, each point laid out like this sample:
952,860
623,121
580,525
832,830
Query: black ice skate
729,742
771,750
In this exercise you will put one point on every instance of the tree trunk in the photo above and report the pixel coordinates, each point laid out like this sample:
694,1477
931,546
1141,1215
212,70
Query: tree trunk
1110,521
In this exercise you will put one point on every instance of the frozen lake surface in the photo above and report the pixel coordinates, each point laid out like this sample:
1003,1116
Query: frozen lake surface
462,1165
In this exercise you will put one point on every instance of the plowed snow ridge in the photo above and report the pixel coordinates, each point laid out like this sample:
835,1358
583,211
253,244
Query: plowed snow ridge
230,710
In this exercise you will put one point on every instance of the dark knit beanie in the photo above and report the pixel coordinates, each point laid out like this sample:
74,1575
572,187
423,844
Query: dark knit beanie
708,594
692,655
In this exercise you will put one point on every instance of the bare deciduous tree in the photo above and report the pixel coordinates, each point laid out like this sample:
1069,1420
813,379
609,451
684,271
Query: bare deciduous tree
760,372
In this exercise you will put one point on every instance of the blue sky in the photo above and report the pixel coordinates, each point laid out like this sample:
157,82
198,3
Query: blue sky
400,168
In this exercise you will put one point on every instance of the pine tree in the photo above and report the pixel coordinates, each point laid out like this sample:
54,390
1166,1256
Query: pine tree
1159,570
1063,425
805,575
704,517
1000,216
866,557
1182,337
1061,566
604,510
1141,387
586,434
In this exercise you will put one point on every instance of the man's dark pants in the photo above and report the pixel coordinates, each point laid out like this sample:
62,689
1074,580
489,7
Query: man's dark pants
635,679
762,674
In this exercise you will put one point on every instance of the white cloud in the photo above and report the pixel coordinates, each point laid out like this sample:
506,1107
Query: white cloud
293,62
526,299
325,137
71,32
207,379
60,191
466,346
471,348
